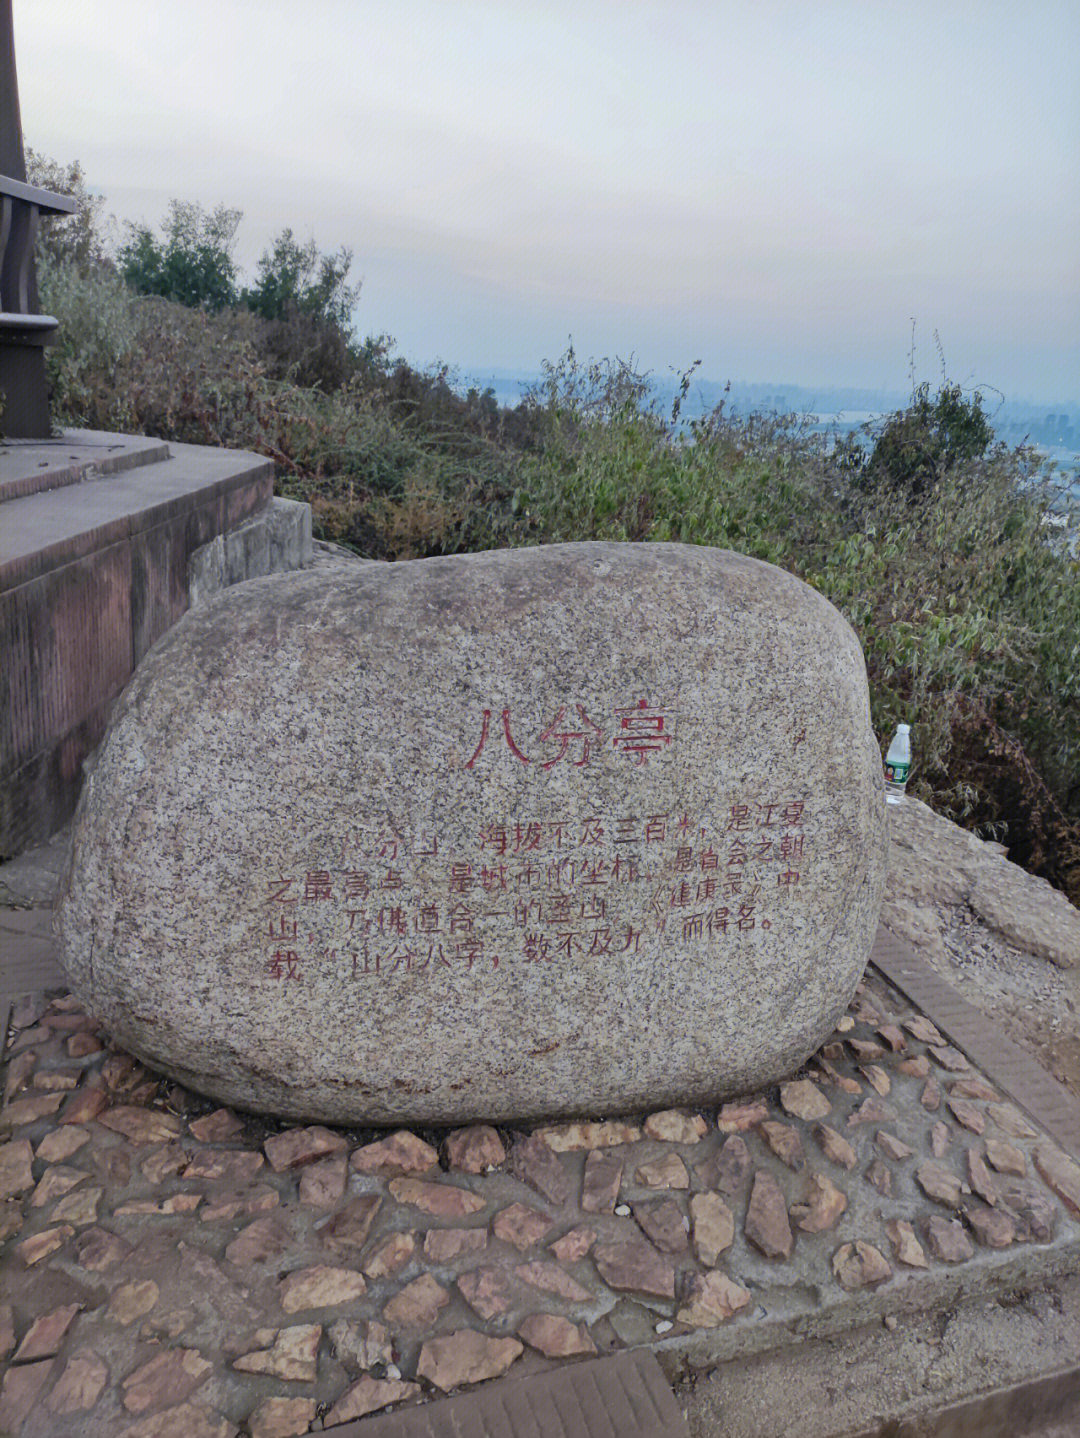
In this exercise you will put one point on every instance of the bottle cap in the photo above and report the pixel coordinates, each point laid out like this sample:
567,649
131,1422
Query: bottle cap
903,728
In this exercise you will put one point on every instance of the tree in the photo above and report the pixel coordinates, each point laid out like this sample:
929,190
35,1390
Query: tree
922,443
191,262
68,239
295,279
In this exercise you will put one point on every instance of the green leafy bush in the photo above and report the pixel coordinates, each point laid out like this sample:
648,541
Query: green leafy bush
190,262
931,438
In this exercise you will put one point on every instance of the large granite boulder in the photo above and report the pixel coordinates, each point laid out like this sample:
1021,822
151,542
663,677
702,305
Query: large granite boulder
586,828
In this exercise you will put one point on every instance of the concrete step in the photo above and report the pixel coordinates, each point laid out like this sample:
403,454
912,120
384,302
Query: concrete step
29,466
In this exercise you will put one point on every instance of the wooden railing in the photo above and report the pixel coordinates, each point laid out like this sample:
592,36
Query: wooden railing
23,329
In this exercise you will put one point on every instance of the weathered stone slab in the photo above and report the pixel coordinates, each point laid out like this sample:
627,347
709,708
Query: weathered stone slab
593,828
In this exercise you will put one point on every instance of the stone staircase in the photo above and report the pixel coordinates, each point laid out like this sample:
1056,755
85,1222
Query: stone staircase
105,541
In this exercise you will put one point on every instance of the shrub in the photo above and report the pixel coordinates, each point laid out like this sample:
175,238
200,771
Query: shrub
931,438
190,262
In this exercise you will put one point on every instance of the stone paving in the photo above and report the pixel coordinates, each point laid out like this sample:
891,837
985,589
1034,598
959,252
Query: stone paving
174,1269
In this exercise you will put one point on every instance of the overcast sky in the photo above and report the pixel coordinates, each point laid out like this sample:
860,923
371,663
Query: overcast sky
774,188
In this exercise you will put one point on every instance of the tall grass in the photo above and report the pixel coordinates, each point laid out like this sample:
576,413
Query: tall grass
963,590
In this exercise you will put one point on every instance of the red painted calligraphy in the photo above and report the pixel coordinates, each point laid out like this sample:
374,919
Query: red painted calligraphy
564,737
642,732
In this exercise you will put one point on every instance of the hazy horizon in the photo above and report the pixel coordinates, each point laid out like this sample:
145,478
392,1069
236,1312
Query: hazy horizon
774,188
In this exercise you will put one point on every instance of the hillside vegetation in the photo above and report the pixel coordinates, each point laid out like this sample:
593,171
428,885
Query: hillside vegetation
940,546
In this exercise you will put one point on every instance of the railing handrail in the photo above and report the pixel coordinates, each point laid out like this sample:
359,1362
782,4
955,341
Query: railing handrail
47,201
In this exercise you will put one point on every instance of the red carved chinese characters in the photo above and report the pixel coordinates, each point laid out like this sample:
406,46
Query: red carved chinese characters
640,731
556,890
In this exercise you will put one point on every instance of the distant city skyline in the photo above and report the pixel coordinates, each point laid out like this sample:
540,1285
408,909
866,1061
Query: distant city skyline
772,187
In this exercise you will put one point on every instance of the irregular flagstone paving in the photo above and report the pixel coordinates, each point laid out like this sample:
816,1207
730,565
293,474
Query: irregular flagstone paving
172,1268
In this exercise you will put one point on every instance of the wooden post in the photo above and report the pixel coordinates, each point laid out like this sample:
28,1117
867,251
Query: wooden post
24,330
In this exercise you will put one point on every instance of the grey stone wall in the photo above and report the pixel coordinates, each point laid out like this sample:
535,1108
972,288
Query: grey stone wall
276,540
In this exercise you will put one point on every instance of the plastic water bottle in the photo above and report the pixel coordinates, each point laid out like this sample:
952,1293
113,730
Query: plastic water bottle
898,765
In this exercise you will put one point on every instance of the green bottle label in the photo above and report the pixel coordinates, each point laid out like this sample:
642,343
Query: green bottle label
897,773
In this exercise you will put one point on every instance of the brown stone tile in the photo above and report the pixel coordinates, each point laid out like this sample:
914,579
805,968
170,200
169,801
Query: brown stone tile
396,1156
991,1227
57,1180
785,1142
1059,1173
368,1395
392,1254
949,1058
299,1146
486,1290
979,1178
293,1355
21,1391
729,1169
966,1114
476,1149
891,1146
600,1182
633,1265
573,1245
674,1126
822,1207
520,1226
22,1111
441,1200
443,1244
555,1337
860,1265
217,1127
879,1176
132,1300
712,1299
663,1223
32,1250
938,1183
713,1226
85,1104
98,1250
322,1183
319,1287
46,1333
534,1163
465,1357
80,1385
361,1344
1002,1156
141,1125
906,1247
766,1224
551,1278
581,1136
16,1175
61,1143
235,1166
167,1379
668,1171
346,1231
265,1238
801,1098
948,1240
287,1417
418,1304
742,1116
